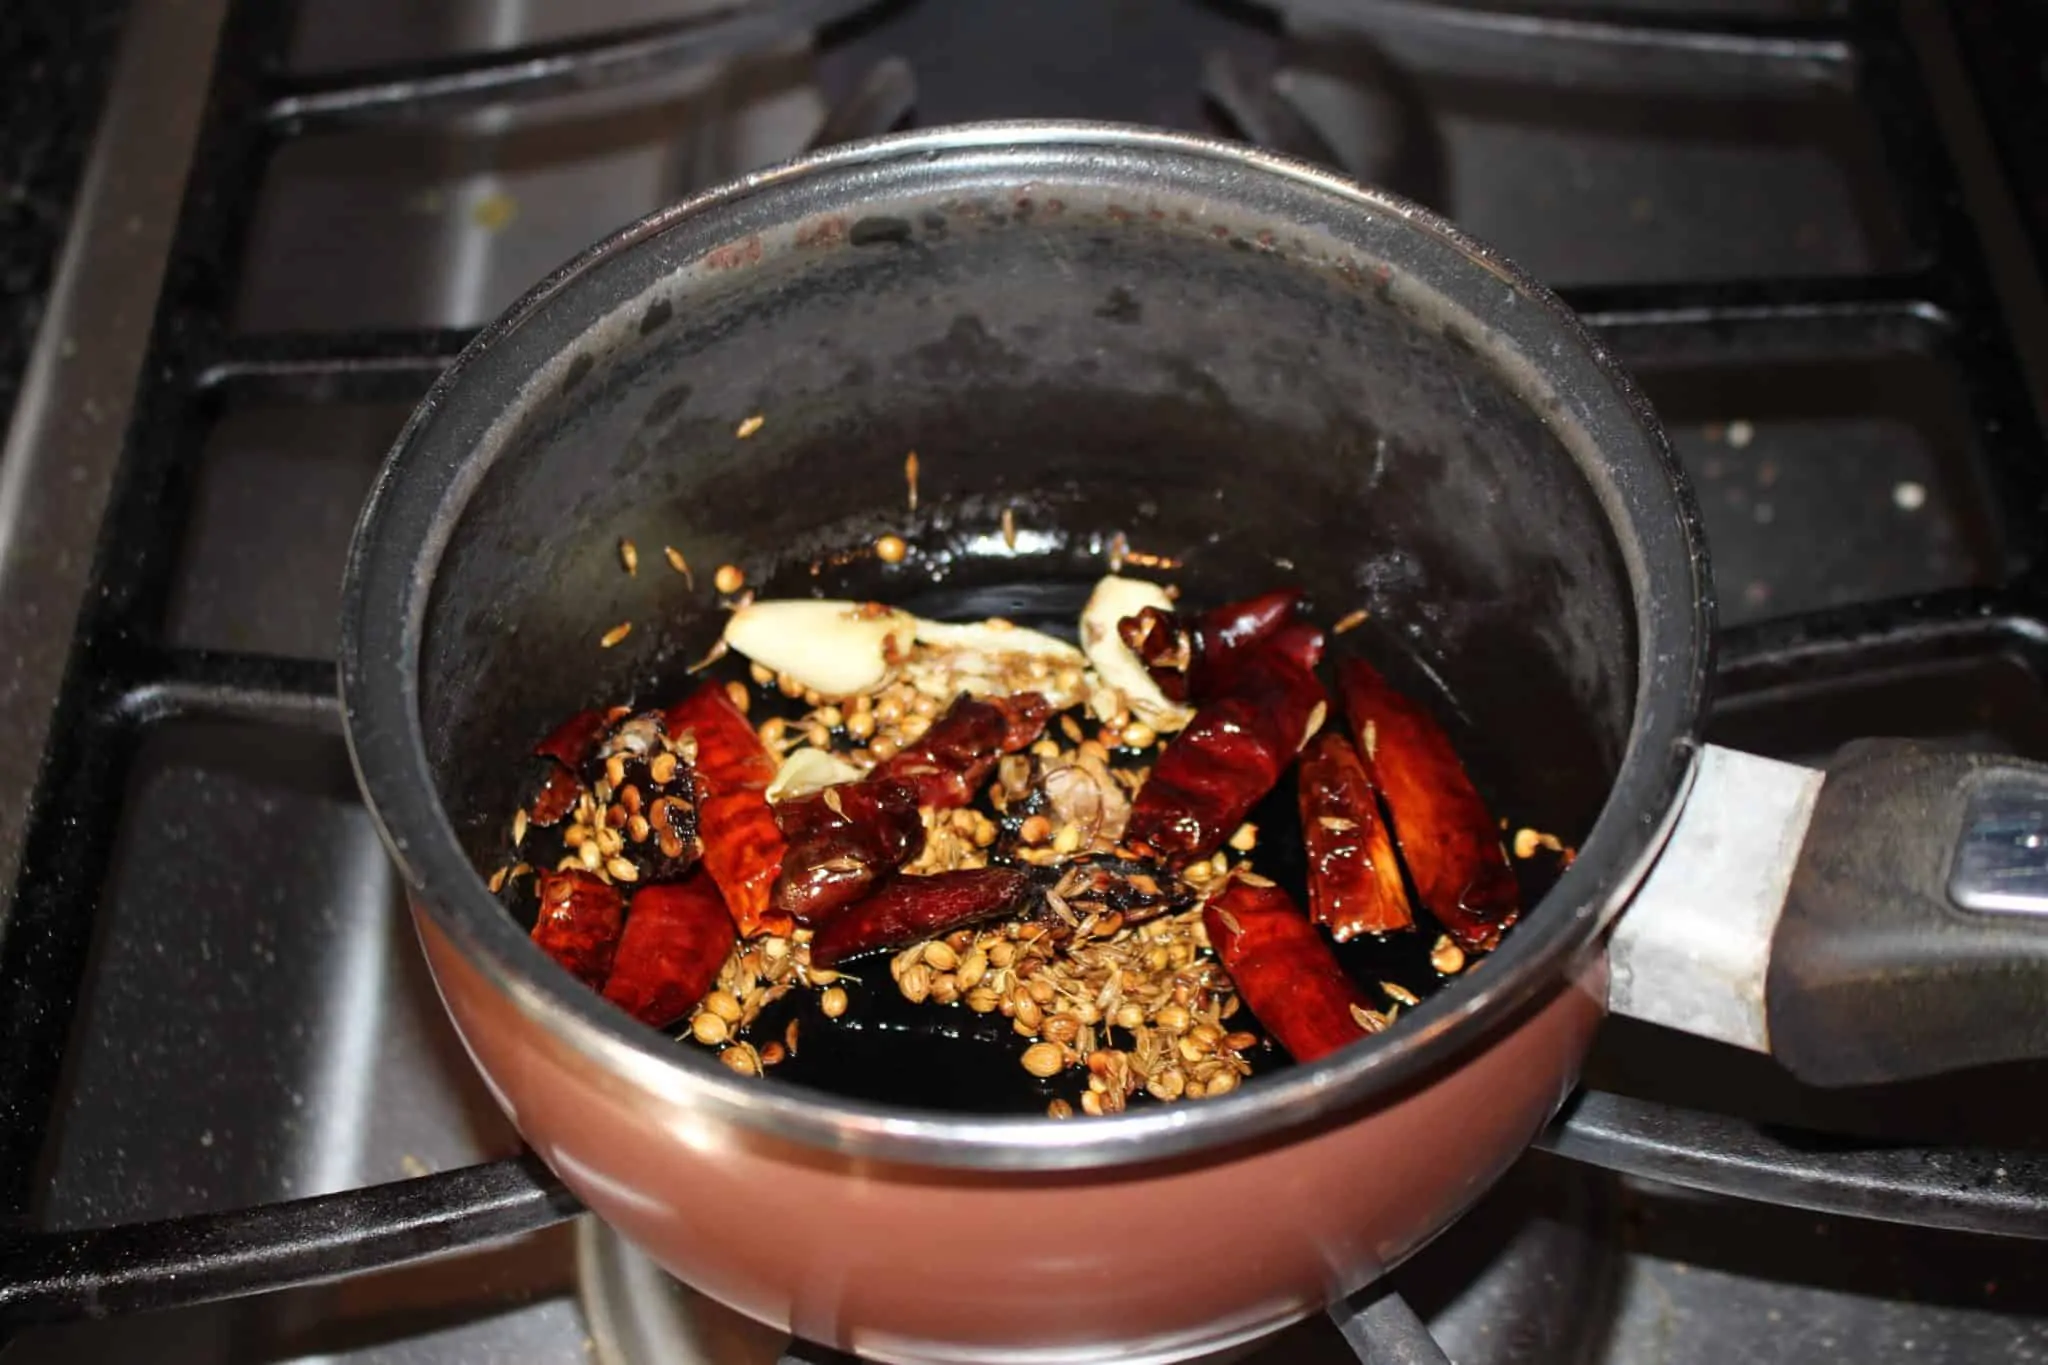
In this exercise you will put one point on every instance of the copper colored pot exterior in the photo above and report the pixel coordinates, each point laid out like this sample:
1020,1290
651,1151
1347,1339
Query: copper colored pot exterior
916,1264
1558,530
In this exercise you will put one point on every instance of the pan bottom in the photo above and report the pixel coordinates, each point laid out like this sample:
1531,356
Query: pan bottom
1525,1278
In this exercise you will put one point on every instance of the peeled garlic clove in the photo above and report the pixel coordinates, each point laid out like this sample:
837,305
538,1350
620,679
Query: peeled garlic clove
835,648
807,770
987,637
1115,664
994,658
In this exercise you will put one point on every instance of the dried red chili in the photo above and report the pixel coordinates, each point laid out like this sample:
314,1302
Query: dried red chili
905,910
1354,883
1193,657
1446,835
677,937
1208,779
579,924
570,743
1298,642
568,746
556,797
841,840
948,766
742,846
1285,972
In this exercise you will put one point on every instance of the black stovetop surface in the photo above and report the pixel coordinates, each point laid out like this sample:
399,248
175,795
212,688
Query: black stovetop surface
1764,230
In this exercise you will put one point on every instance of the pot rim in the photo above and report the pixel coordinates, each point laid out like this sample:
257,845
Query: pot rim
423,488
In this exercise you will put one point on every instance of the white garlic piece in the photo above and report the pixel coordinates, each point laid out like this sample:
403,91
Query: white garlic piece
1116,664
990,637
993,659
808,770
838,649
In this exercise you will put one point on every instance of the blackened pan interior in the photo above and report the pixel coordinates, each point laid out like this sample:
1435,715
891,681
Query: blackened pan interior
1263,422
1266,381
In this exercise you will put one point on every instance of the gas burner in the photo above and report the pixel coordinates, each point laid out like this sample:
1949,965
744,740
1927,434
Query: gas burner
1527,1278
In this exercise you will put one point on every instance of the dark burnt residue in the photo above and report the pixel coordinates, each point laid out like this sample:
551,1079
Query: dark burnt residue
1121,307
970,348
666,405
579,368
880,231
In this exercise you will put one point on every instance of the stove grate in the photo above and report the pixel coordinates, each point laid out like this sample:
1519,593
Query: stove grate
123,679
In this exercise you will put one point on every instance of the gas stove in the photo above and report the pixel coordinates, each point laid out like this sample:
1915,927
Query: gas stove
234,1125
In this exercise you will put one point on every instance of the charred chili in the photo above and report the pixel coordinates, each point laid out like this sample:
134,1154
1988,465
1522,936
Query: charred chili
742,846
903,910
948,766
1446,834
1285,972
1354,883
841,841
579,924
1233,751
567,747
677,937
1192,657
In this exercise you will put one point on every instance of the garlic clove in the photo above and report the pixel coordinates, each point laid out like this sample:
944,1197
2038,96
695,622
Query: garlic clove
808,770
835,648
995,658
1115,664
989,637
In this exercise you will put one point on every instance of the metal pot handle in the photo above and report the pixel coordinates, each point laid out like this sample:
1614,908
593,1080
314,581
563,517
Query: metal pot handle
1883,919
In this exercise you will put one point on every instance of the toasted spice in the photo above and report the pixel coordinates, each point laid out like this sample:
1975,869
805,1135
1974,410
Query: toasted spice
1104,1002
1446,956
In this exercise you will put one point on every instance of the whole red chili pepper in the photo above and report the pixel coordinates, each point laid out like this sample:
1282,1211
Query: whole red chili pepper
841,840
1447,836
568,746
579,923
1354,883
1285,972
677,937
949,764
904,910
742,846
1192,657
1208,779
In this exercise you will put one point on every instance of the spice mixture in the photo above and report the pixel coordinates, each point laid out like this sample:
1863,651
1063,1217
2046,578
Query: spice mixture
888,816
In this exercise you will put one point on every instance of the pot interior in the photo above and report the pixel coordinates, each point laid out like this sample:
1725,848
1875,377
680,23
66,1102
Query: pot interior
1240,395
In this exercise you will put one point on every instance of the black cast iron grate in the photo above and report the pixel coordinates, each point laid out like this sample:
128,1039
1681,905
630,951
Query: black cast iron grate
124,678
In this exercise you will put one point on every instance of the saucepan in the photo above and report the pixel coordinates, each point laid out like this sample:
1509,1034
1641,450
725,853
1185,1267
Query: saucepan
1274,376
